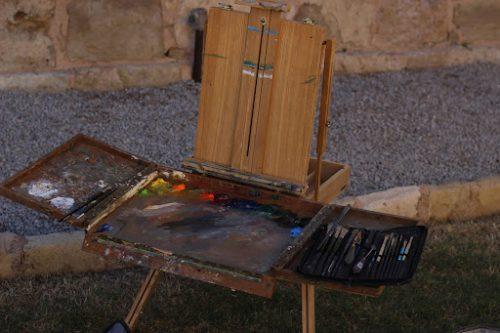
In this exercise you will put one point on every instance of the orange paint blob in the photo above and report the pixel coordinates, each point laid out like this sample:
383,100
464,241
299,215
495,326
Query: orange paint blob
207,196
178,187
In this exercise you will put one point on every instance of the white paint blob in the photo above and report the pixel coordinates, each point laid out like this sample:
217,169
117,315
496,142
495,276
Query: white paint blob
42,189
63,203
178,175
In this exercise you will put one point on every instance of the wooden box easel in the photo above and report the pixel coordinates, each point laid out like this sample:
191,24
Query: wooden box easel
261,75
260,85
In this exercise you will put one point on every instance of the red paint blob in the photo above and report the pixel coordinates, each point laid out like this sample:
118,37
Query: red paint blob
207,196
178,187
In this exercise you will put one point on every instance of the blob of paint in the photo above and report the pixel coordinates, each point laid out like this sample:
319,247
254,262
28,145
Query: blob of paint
144,192
178,187
105,227
63,203
42,189
178,175
207,196
295,232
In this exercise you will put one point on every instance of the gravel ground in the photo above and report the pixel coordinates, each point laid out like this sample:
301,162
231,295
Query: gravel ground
394,129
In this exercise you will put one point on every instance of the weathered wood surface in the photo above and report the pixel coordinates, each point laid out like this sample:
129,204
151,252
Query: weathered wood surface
222,62
259,93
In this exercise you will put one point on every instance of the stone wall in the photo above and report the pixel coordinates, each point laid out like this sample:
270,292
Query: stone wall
115,44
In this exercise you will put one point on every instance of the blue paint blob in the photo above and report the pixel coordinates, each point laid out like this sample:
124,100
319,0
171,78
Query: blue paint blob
105,227
295,232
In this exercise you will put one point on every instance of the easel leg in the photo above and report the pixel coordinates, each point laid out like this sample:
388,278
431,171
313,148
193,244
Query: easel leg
308,316
142,297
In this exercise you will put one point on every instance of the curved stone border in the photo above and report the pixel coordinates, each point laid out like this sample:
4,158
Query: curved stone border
61,252
435,203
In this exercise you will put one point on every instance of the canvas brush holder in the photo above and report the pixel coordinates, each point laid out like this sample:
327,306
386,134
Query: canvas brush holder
364,256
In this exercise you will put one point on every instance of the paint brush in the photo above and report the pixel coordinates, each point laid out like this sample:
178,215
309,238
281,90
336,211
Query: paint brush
332,257
330,245
393,249
381,252
330,229
88,204
334,266
402,264
351,253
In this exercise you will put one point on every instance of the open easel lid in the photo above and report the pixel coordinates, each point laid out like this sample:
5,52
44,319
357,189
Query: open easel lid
74,177
259,95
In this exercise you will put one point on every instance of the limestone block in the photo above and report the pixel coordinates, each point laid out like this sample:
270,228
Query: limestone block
409,24
450,202
97,78
478,21
47,81
112,30
11,251
349,22
59,253
485,196
402,201
24,39
154,75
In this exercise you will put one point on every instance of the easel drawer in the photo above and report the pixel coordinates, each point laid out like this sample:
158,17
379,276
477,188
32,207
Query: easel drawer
334,180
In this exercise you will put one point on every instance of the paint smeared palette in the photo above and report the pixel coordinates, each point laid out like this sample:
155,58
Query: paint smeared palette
174,215
72,175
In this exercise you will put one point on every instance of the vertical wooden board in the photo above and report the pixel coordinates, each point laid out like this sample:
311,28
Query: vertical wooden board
249,86
263,93
293,101
222,62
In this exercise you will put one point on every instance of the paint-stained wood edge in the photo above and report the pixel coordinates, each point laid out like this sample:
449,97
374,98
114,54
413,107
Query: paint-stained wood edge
236,175
262,285
126,193
291,251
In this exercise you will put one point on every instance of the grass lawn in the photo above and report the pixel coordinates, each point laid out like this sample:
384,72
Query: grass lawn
456,285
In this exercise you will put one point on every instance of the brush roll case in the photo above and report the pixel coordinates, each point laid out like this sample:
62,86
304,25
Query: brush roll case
359,256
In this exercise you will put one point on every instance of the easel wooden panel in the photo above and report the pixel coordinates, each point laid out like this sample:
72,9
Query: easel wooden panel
223,56
259,93
293,101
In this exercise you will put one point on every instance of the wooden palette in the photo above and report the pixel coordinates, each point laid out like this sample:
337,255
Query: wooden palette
71,175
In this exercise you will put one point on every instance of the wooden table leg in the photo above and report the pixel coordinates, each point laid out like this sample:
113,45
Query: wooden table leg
308,315
142,297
